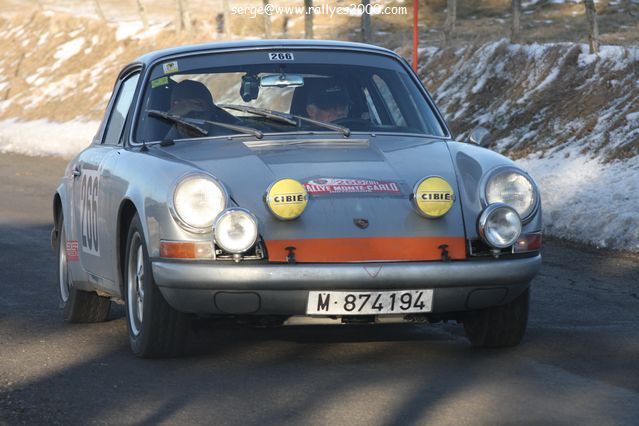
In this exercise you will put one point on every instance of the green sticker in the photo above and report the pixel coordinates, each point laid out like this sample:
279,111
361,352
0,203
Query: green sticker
159,82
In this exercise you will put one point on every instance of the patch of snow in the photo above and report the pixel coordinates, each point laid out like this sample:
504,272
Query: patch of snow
46,138
153,30
588,201
67,50
127,30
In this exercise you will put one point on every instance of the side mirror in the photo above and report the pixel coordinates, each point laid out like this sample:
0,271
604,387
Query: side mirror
480,136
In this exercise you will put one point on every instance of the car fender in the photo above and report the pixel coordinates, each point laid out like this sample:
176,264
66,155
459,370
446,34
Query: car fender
472,164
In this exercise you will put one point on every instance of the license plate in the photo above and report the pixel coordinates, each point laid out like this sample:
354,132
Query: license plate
369,302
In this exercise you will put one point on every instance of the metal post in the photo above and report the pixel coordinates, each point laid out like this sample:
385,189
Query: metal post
415,33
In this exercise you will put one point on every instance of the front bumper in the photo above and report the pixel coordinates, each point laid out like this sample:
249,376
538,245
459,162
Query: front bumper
282,289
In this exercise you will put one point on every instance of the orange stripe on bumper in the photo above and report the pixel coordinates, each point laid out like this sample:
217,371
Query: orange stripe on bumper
378,249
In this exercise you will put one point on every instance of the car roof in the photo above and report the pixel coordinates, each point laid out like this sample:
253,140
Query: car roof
259,45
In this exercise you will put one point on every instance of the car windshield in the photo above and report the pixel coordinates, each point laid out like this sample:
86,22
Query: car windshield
257,93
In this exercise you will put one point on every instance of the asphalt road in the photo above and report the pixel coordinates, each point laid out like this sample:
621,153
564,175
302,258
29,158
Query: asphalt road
578,364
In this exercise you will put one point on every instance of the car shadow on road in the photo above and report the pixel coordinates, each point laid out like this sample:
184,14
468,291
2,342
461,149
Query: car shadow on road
235,374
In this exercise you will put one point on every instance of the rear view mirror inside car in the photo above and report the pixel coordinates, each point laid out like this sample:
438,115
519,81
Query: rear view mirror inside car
282,80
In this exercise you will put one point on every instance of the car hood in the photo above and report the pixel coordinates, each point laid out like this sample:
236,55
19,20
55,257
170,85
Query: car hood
382,171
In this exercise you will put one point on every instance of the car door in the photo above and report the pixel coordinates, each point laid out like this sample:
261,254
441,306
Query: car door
93,193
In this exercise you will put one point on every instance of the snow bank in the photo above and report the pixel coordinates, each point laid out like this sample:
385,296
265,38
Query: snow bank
44,138
570,118
586,201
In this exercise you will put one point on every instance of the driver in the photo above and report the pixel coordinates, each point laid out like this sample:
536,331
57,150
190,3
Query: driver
191,99
329,103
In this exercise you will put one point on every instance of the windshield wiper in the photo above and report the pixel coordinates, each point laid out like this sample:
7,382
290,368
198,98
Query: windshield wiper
177,120
188,124
291,119
274,115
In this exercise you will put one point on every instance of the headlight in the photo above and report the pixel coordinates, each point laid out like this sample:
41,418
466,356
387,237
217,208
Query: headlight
197,201
236,230
499,225
513,188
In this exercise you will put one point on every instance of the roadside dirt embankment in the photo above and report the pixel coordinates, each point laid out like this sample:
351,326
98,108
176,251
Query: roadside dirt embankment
541,98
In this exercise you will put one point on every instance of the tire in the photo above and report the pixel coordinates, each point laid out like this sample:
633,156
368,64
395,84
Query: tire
78,306
501,326
155,328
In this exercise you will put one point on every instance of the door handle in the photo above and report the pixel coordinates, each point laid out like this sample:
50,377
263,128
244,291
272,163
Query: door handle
76,171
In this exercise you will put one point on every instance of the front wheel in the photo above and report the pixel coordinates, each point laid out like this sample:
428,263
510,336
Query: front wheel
500,326
77,305
155,329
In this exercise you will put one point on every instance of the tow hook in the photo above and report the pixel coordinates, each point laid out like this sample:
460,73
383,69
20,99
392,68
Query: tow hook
444,249
54,238
290,257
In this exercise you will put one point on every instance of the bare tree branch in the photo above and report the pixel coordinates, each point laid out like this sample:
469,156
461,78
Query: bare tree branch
98,10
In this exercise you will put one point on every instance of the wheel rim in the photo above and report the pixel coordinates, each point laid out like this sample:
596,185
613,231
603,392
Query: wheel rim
63,268
135,284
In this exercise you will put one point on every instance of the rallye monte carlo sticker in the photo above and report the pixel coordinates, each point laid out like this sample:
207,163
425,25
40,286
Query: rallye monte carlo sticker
320,186
89,212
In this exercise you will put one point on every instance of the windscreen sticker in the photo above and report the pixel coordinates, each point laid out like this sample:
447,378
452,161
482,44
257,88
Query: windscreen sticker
170,67
349,186
281,56
159,82
72,251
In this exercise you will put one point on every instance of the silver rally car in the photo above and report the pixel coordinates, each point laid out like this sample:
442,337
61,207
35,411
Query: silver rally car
290,182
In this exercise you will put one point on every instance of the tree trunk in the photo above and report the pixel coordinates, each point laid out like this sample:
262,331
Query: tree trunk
516,25
308,19
267,22
184,20
367,34
219,25
451,19
593,28
142,13
98,10
227,19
